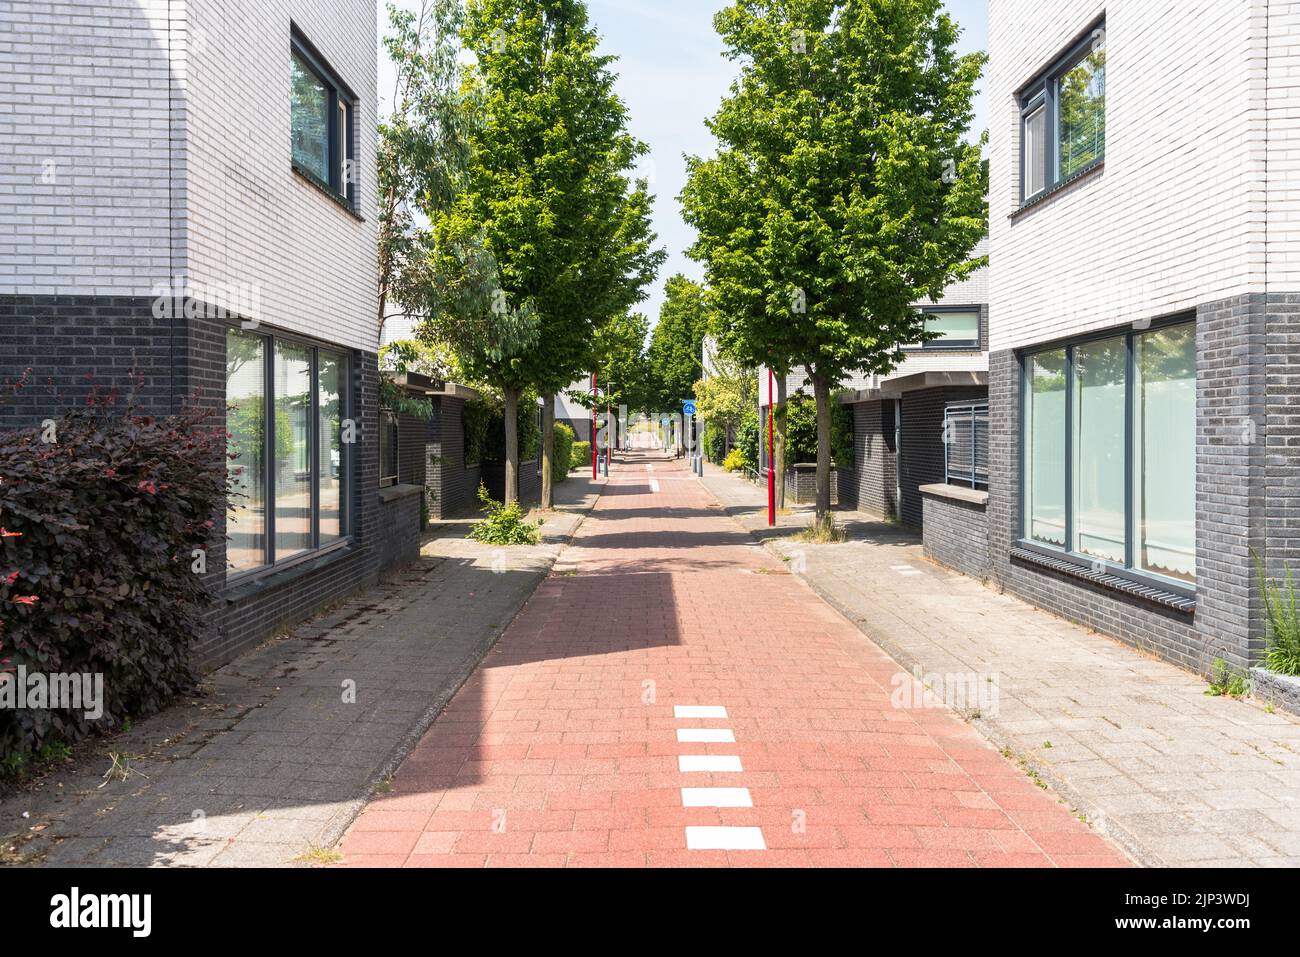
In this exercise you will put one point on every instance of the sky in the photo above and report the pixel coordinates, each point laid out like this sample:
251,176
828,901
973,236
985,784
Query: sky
672,76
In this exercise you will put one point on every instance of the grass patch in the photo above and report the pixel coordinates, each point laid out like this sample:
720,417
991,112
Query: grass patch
319,856
823,531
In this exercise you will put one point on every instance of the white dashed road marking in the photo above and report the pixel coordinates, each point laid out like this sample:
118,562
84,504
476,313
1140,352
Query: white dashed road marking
699,711
721,763
716,797
725,839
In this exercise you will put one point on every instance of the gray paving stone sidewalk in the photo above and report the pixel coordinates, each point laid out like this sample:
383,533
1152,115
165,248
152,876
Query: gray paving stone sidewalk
270,763
1134,744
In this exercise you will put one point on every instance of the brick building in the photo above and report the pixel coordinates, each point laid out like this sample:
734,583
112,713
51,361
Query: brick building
912,428
1145,292
194,197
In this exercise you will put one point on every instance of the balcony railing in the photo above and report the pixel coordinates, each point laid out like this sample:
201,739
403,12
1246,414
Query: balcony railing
966,444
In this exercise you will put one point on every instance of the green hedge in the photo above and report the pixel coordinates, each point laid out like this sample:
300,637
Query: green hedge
563,459
485,431
581,455
715,442
801,432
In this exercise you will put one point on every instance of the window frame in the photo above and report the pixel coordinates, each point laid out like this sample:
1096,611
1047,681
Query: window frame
960,345
1044,91
342,124
270,564
387,418
1024,540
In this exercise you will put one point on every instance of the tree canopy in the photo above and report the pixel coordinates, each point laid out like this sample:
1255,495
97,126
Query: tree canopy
843,189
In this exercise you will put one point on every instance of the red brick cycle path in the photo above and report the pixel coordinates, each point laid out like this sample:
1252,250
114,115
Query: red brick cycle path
564,747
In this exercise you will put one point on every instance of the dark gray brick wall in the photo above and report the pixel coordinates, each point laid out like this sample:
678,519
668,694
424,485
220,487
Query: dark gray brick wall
452,485
398,534
1230,478
1281,526
801,485
61,339
956,534
922,458
874,460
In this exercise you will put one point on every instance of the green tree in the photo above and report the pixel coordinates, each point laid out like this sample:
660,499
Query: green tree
548,192
725,397
677,343
621,362
423,149
843,190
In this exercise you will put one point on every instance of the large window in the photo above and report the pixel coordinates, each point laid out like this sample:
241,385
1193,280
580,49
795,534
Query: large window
321,110
1045,448
1110,452
1063,118
952,329
285,415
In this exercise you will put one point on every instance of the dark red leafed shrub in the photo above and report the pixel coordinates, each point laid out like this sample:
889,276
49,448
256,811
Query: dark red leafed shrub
103,529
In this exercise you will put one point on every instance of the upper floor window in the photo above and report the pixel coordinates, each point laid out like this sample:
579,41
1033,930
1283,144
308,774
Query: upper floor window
1063,118
321,109
953,328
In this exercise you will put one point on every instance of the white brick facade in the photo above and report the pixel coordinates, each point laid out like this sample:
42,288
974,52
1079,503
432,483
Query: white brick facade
1194,149
150,139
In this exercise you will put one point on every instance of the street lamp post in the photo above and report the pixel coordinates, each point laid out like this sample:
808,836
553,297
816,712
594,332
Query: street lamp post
593,427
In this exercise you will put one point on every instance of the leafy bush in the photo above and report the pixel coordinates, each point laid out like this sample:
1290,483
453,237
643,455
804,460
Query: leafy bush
562,462
715,442
1283,655
581,455
485,431
748,437
505,524
801,431
735,460
99,532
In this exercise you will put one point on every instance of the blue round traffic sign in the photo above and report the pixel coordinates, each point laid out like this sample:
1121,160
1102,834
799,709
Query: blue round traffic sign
688,408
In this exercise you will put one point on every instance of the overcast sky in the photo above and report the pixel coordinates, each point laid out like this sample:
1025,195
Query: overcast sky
672,76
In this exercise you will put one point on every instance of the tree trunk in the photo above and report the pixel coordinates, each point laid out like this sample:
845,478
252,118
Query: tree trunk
512,445
778,454
548,451
822,392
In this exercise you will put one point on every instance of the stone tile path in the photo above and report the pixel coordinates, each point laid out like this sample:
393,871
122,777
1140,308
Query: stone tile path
1174,776
271,763
673,697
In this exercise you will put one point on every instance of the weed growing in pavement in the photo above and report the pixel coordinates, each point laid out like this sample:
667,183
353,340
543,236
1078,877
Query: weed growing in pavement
1227,682
504,524
824,531
318,856
1283,655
